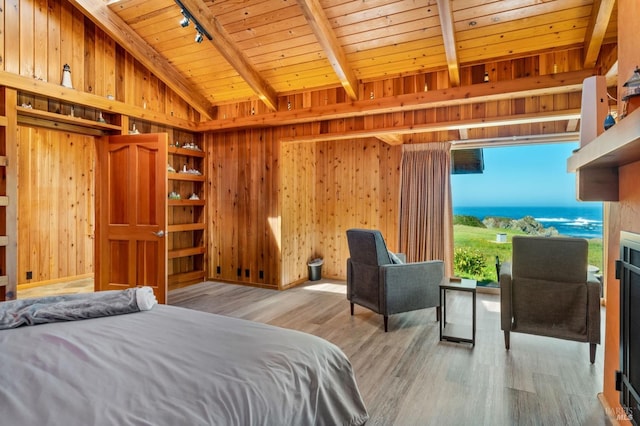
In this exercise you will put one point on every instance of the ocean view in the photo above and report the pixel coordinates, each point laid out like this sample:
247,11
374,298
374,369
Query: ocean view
581,221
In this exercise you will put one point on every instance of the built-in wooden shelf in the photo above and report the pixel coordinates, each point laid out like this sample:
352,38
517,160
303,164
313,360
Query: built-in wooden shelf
52,120
185,151
185,176
180,280
186,227
185,252
615,147
186,202
596,163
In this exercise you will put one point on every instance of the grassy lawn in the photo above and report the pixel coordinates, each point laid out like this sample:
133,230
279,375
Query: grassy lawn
484,241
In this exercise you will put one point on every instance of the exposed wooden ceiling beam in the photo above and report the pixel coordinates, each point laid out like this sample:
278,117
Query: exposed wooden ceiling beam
391,138
317,20
495,91
517,140
449,38
572,125
221,40
600,17
507,120
109,22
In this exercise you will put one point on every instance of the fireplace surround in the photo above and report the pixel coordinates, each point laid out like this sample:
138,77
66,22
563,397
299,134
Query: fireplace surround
628,377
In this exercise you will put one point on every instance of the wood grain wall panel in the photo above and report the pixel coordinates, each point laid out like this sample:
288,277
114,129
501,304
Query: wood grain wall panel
242,204
299,195
357,187
55,204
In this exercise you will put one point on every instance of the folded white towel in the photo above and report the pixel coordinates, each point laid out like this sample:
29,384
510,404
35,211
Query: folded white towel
145,298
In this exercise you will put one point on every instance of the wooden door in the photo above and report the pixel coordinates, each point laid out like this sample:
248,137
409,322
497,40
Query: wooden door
131,205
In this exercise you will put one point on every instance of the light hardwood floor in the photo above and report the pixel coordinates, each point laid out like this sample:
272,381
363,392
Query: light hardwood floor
407,376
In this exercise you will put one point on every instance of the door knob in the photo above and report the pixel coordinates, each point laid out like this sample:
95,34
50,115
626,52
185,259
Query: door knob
159,234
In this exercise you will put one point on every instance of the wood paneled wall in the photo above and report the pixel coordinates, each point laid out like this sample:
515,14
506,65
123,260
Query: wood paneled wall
244,216
271,207
56,188
55,204
39,38
357,186
274,206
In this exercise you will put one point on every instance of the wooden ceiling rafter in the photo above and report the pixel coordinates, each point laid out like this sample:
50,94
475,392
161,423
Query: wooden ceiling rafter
449,38
109,22
391,138
317,19
501,120
542,85
600,17
234,56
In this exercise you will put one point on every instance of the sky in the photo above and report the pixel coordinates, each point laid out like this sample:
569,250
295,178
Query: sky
534,175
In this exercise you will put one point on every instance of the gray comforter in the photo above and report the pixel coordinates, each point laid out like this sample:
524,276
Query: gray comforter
173,366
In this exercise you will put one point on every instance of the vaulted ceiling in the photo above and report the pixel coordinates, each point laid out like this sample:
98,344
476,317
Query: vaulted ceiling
263,49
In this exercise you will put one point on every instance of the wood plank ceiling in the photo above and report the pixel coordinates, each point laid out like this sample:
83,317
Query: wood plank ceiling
263,49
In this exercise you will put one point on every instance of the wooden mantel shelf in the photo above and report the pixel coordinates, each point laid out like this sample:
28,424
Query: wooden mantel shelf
596,163
615,147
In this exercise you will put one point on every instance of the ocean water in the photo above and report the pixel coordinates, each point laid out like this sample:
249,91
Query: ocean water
580,221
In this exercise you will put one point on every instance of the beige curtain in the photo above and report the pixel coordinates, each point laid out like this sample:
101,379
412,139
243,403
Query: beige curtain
426,219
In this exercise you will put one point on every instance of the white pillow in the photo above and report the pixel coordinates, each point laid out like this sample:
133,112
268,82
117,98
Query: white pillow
394,259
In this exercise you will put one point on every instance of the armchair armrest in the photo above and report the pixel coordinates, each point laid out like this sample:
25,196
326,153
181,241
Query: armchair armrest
593,309
410,286
506,312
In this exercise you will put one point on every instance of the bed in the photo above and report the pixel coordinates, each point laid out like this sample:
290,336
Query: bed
173,366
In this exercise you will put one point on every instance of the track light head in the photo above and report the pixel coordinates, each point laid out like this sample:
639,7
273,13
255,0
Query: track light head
188,18
184,22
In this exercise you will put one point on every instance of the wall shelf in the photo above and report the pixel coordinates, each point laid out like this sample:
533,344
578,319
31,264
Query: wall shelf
616,147
187,248
186,177
185,203
596,164
186,227
185,151
52,120
185,278
191,251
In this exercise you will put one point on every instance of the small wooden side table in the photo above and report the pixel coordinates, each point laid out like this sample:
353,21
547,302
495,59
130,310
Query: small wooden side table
462,285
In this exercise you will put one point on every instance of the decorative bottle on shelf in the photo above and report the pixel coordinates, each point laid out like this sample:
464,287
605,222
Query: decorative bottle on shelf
66,76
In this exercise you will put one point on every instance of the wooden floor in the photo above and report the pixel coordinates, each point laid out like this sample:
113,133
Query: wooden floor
407,376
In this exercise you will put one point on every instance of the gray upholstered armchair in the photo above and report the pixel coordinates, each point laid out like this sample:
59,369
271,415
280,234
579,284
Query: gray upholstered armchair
546,290
376,282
